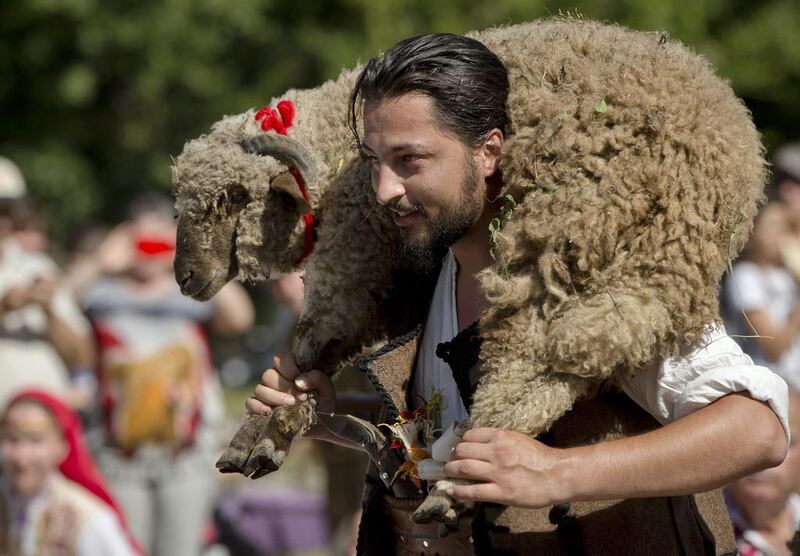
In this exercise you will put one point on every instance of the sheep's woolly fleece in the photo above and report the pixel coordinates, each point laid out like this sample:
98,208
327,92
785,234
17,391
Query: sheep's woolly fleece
637,173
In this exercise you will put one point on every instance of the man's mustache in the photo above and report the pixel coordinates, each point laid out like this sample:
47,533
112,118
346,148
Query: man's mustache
403,206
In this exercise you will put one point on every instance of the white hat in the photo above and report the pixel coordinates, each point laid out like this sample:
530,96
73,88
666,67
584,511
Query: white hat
12,184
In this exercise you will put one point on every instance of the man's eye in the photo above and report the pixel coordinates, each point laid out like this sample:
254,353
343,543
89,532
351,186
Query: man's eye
410,158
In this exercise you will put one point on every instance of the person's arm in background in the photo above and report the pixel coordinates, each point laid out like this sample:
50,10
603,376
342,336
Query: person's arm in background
746,294
288,291
773,337
72,342
233,310
113,256
732,437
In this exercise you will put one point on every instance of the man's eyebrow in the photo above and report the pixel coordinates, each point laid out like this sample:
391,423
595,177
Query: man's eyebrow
397,148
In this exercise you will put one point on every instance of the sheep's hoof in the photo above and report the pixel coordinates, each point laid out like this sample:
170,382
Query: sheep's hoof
439,507
265,459
235,457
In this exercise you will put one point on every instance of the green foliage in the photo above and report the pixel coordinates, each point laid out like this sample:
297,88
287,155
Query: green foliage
97,95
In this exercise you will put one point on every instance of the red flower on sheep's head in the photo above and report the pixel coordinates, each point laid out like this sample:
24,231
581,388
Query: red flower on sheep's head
279,120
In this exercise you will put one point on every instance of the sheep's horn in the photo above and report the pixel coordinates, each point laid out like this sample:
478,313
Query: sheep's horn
290,152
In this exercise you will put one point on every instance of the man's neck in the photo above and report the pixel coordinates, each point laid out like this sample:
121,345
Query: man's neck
473,254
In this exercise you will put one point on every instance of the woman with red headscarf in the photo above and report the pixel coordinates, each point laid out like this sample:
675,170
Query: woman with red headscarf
53,500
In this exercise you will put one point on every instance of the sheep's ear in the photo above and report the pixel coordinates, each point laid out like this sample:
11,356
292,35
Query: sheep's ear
286,183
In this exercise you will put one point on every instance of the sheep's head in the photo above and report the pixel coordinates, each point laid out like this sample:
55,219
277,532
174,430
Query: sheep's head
239,206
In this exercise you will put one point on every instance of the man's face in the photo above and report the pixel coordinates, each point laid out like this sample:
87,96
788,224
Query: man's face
424,174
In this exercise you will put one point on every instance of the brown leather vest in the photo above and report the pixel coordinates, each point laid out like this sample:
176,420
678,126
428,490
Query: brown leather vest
680,525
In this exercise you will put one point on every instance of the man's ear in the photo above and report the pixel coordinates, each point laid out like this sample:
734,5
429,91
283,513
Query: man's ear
286,183
490,153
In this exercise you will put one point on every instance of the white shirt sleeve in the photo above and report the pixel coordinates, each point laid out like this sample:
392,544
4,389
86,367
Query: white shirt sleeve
102,535
675,387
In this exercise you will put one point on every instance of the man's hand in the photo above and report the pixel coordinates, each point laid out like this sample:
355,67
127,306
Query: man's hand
732,437
510,468
284,385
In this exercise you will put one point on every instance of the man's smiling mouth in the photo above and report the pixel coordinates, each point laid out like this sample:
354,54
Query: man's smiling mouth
404,218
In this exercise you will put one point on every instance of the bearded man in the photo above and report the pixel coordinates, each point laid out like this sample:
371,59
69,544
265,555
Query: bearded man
434,124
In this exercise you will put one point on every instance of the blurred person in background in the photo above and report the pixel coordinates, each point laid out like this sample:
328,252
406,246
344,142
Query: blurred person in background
29,228
765,506
786,174
160,398
12,188
53,500
43,334
762,297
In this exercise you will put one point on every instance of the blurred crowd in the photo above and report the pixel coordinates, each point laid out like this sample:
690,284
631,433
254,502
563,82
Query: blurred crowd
105,363
113,412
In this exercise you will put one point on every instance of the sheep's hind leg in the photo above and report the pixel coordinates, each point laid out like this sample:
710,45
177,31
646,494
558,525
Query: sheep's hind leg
272,446
439,506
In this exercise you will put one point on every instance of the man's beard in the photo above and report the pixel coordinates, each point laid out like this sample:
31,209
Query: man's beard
424,255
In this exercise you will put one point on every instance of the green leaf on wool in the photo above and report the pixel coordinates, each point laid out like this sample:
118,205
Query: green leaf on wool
563,116
600,106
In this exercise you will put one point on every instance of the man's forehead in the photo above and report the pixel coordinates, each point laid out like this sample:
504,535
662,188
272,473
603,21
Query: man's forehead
407,109
405,122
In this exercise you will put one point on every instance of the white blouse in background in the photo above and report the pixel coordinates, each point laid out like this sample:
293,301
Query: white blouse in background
84,523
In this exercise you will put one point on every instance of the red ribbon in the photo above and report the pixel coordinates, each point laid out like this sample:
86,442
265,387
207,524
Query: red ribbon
279,121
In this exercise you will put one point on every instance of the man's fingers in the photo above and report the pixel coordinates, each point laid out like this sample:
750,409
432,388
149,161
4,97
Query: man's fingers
285,364
322,383
272,397
480,435
472,469
255,407
473,450
484,492
315,380
271,378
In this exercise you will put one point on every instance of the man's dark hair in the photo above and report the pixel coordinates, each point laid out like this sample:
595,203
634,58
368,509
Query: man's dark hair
467,82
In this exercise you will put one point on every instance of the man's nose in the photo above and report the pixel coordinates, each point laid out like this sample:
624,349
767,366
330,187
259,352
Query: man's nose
387,185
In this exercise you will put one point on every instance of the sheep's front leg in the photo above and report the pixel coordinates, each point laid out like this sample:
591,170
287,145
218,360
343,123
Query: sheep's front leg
234,458
262,442
282,427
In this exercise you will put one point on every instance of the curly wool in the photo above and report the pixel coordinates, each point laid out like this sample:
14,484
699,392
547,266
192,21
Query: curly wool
637,174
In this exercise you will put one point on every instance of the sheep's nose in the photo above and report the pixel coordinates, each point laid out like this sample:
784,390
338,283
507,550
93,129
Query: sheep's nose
185,280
